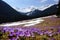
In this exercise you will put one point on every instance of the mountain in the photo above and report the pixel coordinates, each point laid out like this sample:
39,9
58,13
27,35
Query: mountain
25,10
38,13
8,14
32,8
50,11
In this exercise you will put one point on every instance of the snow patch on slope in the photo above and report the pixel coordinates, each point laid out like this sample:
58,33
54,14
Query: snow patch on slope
25,23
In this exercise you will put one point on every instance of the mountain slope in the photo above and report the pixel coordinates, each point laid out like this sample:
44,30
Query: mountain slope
7,13
49,11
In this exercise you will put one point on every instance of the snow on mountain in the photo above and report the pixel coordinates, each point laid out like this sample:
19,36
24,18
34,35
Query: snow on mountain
32,8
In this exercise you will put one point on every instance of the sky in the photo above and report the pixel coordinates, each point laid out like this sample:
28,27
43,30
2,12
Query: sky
27,5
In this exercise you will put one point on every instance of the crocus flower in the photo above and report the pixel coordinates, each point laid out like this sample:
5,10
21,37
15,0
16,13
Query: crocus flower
50,34
27,33
11,34
13,39
58,31
21,33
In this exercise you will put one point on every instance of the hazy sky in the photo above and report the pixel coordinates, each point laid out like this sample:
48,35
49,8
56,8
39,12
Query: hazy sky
27,3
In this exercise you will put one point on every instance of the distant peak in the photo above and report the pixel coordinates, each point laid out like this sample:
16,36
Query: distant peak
32,8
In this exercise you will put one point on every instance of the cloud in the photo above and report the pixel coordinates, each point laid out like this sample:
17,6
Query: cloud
56,1
32,8
43,0
45,7
27,9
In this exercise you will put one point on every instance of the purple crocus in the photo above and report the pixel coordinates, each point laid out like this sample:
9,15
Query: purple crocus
27,33
58,31
13,39
12,33
21,33
32,34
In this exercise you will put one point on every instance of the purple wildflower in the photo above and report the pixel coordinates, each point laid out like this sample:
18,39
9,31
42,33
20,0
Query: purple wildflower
27,33
13,39
21,33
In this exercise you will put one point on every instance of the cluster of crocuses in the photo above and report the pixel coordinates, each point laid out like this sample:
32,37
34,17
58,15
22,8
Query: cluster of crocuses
22,31
27,31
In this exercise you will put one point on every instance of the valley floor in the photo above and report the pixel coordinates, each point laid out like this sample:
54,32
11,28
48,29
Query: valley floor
50,23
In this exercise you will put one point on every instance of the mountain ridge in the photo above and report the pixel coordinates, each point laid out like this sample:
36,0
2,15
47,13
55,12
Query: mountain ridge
8,14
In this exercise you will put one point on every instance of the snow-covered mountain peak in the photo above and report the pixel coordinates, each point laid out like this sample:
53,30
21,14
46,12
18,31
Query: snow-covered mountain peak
32,8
